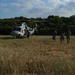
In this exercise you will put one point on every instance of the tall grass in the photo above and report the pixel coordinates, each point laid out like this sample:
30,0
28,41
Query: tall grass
36,56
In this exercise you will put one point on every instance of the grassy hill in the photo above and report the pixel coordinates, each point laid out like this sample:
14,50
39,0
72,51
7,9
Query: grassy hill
38,55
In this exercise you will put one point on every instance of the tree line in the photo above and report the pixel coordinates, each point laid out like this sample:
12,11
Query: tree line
45,26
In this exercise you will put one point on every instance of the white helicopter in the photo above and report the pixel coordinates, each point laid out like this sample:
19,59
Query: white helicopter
22,31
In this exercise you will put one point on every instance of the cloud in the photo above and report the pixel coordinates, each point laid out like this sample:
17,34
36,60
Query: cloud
38,8
5,10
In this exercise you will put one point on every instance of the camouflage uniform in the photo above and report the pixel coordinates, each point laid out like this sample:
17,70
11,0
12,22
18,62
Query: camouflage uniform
54,35
62,37
28,33
68,33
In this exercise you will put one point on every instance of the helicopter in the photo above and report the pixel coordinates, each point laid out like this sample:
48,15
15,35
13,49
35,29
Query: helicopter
22,31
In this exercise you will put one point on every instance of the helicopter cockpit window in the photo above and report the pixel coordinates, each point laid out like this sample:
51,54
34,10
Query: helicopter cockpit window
18,29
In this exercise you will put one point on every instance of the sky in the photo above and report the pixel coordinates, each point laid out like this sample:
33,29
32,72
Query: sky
36,8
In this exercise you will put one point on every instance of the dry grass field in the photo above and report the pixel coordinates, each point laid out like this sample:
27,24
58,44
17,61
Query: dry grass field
38,55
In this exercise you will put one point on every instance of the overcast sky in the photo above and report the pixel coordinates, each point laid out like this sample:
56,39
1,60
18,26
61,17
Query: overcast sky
36,8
